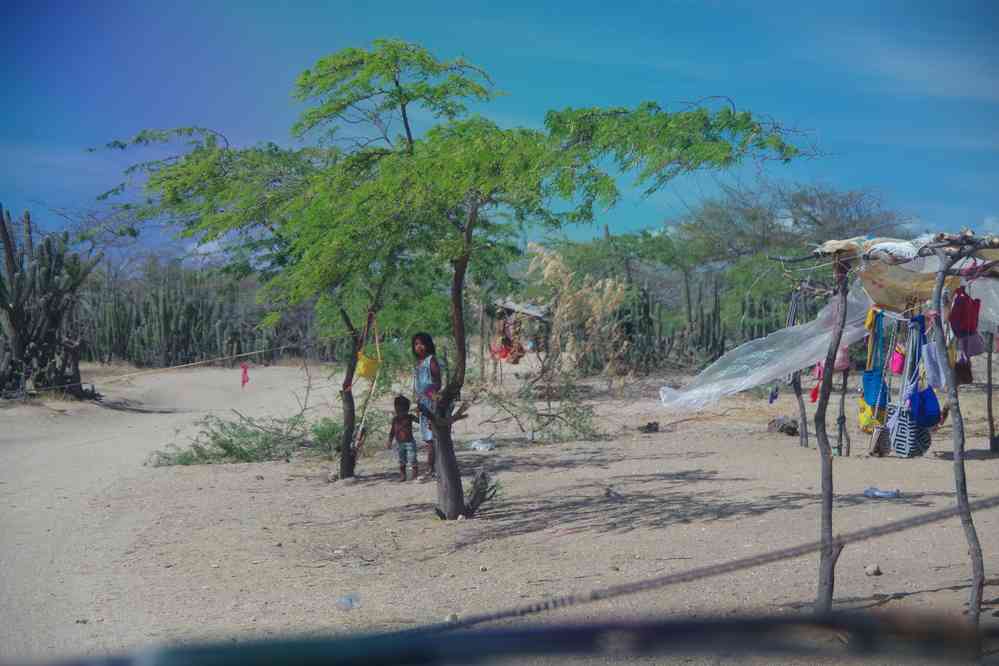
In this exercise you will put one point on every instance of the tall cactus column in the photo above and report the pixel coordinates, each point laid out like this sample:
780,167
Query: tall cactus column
39,288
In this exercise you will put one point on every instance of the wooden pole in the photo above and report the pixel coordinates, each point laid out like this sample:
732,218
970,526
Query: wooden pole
843,440
993,444
796,378
802,413
482,339
830,550
957,428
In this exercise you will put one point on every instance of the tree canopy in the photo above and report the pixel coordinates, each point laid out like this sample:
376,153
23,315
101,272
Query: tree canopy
363,206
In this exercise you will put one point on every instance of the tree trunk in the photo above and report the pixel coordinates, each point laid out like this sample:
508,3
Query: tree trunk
957,426
450,496
348,461
348,455
830,552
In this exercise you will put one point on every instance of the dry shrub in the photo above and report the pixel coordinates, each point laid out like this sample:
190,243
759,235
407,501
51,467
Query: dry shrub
584,337
585,333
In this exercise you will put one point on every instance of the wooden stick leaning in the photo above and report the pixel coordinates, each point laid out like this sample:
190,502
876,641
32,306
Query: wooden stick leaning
361,432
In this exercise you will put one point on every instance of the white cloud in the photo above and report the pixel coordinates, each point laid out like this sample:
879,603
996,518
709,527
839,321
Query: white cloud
925,70
990,225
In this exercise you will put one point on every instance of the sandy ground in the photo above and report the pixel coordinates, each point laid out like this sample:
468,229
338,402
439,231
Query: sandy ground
101,554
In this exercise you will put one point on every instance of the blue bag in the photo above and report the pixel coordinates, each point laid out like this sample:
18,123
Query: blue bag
925,408
875,388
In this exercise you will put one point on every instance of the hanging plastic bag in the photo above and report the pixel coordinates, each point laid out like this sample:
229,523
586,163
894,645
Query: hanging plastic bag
936,370
842,359
971,345
897,361
964,311
367,367
870,319
962,372
875,388
814,395
868,419
905,437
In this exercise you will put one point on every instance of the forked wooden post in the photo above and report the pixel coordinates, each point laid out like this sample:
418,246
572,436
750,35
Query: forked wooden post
993,444
947,262
830,551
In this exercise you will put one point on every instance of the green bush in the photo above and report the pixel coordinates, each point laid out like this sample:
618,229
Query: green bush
327,434
248,439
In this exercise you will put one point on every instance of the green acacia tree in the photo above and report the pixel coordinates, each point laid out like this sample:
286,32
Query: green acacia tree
450,195
467,175
306,216
350,233
465,184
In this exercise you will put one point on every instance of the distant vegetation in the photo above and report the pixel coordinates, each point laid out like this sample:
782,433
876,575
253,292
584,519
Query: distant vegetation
693,289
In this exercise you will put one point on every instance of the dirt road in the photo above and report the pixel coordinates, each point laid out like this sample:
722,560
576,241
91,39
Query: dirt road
62,466
100,554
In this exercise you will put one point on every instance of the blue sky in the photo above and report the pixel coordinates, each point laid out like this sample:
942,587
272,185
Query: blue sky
902,97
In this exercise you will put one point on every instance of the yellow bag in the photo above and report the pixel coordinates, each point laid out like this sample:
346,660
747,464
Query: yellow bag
869,319
367,367
867,418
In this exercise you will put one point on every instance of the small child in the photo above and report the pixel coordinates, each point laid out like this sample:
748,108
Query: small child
402,434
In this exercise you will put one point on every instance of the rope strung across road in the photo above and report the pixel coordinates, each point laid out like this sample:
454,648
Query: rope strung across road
153,371
711,571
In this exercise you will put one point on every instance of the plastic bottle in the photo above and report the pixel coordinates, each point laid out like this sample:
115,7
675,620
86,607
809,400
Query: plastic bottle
882,494
349,602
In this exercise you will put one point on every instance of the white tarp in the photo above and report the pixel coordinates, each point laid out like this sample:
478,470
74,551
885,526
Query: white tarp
890,273
770,358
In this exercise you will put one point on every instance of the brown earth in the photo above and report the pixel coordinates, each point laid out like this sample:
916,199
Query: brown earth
102,554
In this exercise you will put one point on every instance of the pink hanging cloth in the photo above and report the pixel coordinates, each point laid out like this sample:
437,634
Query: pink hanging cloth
246,375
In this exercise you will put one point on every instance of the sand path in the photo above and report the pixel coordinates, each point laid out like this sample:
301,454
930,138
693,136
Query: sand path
59,462
101,554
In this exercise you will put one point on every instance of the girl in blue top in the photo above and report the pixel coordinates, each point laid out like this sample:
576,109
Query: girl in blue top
426,387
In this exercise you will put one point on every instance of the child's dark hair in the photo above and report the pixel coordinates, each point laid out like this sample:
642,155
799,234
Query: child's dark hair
401,404
427,341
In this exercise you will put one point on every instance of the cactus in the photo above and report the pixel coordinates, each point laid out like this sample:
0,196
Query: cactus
39,288
173,315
